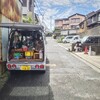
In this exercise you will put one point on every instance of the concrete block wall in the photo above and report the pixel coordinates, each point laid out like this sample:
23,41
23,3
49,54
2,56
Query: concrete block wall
94,31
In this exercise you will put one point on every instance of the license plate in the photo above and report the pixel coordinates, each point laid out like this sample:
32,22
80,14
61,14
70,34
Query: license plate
27,53
25,67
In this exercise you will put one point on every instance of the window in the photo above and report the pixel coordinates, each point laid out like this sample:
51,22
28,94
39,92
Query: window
77,27
74,27
24,3
99,17
88,40
68,37
82,26
30,5
76,38
24,14
93,19
75,20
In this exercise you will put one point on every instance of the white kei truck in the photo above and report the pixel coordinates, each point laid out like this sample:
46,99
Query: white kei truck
26,47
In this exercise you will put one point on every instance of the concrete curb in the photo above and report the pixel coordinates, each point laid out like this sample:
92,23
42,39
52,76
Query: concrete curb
93,66
96,65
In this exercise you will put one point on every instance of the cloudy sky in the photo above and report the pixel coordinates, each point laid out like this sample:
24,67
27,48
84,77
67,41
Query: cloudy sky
55,9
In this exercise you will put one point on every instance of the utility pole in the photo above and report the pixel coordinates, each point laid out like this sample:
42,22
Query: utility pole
51,23
33,13
42,18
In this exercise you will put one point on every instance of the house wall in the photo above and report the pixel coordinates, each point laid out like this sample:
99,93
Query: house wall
76,23
26,9
65,21
10,11
83,28
58,23
65,26
94,31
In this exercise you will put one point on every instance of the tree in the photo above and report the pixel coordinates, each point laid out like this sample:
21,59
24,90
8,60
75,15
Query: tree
57,31
27,19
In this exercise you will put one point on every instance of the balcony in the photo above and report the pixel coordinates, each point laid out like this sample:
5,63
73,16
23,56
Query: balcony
65,22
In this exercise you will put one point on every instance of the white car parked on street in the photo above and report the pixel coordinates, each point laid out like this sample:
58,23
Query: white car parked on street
71,39
67,39
75,39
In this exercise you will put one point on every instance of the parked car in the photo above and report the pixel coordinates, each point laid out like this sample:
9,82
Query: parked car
72,39
67,39
89,41
75,39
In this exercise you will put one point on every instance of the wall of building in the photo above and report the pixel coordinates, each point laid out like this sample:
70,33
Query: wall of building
94,31
58,23
25,8
10,11
83,28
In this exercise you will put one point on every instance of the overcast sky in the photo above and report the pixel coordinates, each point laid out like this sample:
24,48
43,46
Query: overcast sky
55,9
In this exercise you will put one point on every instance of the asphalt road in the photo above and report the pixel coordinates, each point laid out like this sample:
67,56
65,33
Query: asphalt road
66,78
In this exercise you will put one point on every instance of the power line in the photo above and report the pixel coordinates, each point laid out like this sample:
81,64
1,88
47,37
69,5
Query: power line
40,12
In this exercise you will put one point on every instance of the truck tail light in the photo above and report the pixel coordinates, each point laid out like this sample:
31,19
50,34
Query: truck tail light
37,66
9,66
41,66
13,66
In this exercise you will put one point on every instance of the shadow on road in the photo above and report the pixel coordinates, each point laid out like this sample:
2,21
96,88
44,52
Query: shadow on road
28,86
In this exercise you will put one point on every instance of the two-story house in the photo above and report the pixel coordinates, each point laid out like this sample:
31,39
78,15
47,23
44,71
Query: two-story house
91,26
58,23
69,25
93,23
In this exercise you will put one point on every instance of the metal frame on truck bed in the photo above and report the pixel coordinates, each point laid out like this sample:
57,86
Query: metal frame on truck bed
25,64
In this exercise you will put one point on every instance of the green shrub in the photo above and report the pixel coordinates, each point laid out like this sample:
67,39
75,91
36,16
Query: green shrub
62,37
59,40
54,36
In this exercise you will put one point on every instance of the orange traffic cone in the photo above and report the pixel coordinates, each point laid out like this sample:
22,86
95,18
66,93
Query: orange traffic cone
86,50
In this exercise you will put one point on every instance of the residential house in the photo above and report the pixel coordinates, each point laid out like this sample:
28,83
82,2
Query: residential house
58,23
93,23
65,24
69,25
